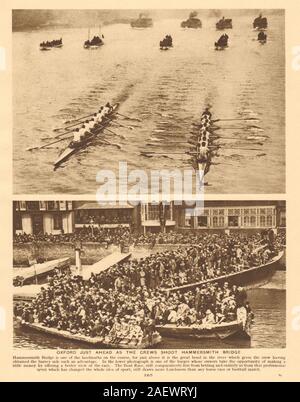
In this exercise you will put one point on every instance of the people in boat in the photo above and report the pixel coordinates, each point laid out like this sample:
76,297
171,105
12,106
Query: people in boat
207,113
54,42
262,36
166,42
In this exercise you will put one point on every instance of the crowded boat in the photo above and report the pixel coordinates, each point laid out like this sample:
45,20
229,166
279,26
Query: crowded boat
96,41
51,44
166,43
126,316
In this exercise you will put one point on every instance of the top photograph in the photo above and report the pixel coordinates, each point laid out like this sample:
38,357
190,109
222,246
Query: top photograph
131,95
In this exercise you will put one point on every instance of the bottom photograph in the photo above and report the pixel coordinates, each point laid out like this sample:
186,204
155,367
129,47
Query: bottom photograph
165,275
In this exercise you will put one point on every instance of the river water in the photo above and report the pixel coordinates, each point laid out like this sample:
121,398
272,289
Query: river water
268,304
167,91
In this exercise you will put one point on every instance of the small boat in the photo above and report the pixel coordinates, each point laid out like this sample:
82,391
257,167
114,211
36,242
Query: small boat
192,21
224,330
222,43
74,148
97,341
166,43
262,37
142,22
260,22
224,23
94,43
52,44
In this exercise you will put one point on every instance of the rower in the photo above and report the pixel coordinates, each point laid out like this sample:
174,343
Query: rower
77,137
203,151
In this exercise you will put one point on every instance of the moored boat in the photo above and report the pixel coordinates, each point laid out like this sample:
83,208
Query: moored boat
97,341
226,330
142,22
248,278
74,148
192,21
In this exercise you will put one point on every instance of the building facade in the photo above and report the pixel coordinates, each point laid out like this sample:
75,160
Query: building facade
36,217
56,217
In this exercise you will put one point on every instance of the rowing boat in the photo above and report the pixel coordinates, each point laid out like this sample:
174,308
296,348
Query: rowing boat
97,341
224,330
248,278
73,148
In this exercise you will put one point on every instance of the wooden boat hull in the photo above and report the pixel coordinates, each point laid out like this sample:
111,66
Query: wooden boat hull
93,342
249,278
220,331
93,46
69,151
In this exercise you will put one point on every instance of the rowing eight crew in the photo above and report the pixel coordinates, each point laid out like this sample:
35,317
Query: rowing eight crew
85,130
202,146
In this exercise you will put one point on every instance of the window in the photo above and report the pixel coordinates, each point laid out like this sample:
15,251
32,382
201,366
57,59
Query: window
33,205
22,205
57,222
246,221
252,221
269,220
202,221
262,221
62,205
18,221
152,212
282,219
42,205
218,221
188,219
233,221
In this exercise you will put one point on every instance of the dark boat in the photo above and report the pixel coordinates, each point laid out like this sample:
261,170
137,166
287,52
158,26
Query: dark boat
48,45
95,43
142,22
166,43
72,148
224,23
262,37
192,21
260,22
222,42
92,341
224,330
248,278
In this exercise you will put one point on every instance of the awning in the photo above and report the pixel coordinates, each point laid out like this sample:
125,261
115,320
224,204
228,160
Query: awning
107,206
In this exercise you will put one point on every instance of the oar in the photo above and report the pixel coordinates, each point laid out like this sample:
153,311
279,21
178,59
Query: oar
119,135
47,145
121,125
110,143
127,117
79,118
73,125
238,119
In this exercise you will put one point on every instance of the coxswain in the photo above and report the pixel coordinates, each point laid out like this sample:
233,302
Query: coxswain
206,112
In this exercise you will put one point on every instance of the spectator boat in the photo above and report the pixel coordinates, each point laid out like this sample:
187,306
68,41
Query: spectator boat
224,330
92,341
251,277
74,148
224,23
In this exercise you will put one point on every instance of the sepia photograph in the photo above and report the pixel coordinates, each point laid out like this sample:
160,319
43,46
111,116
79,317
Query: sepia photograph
199,90
163,276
